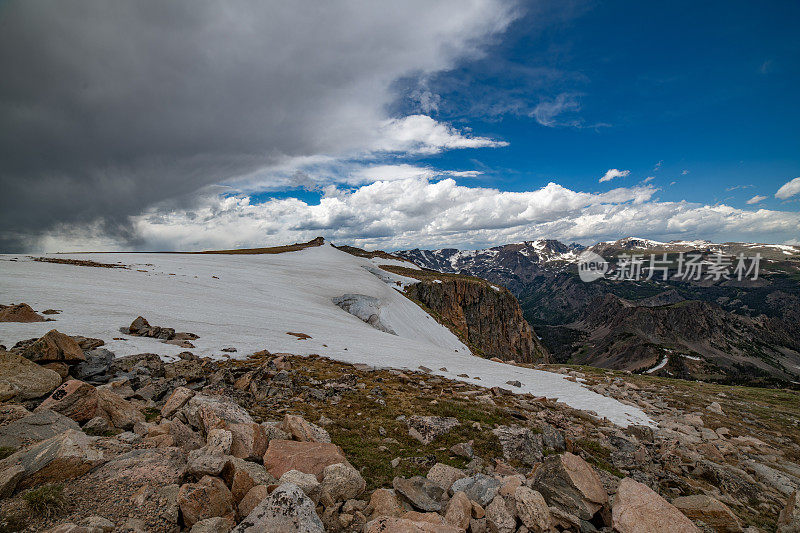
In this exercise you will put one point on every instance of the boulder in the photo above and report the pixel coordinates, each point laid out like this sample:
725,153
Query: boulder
342,481
120,387
384,502
478,488
205,462
445,475
176,400
710,511
302,430
62,369
250,501
144,482
74,399
248,441
207,498
88,343
286,510
189,369
568,482
54,346
121,412
532,510
219,440
553,438
241,476
183,436
217,524
64,456
458,511
148,364
19,313
421,493
307,482
23,379
638,509
789,518
499,517
520,444
139,326
426,428
35,427
95,367
141,468
214,412
308,457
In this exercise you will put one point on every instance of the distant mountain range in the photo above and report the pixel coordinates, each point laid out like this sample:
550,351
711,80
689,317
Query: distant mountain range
728,330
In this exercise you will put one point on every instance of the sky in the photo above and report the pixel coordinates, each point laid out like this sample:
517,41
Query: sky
197,125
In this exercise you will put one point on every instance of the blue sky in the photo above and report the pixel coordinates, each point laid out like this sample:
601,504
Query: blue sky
655,88
455,123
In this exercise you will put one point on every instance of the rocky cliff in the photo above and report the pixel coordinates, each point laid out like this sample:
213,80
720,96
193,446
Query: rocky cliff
487,318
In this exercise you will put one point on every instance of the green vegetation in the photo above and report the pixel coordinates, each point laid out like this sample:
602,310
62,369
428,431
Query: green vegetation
151,413
369,424
46,500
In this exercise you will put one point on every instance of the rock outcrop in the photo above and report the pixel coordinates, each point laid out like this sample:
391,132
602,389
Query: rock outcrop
19,313
487,318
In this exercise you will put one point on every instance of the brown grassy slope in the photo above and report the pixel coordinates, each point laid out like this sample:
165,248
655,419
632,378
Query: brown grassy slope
319,241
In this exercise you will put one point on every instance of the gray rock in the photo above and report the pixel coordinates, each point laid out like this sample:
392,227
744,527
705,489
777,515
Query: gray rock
205,462
214,412
569,483
499,518
420,492
96,366
286,510
479,488
778,480
729,479
426,428
520,444
342,481
217,524
307,482
35,427
552,438
463,449
142,363
445,475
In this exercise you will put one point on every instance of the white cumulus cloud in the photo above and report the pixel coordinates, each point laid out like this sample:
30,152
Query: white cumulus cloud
788,189
756,199
420,211
614,173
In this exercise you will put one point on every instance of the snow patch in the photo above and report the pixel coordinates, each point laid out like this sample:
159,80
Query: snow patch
659,366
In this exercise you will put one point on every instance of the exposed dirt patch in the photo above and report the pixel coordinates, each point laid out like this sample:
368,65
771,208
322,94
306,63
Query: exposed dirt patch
78,262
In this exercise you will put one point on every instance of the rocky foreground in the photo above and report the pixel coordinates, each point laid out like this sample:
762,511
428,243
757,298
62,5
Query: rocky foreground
278,443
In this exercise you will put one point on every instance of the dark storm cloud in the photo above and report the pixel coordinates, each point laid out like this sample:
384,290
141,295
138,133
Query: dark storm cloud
107,107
